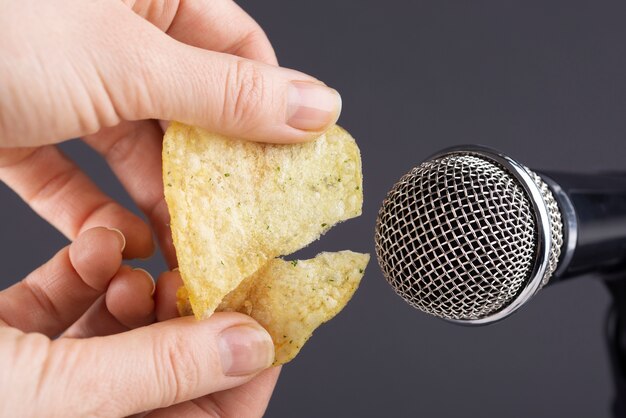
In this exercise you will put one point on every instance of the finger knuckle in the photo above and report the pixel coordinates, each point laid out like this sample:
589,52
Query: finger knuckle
124,145
255,38
245,91
177,368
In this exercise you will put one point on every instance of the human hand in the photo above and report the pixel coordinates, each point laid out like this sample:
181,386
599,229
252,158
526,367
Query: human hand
106,70
84,291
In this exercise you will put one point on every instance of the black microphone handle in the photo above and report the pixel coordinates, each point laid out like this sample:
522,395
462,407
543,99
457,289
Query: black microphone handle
599,202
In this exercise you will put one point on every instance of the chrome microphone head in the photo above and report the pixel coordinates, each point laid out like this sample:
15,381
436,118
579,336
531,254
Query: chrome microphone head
469,235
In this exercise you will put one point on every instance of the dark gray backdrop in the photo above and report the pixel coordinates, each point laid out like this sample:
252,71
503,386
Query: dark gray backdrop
544,81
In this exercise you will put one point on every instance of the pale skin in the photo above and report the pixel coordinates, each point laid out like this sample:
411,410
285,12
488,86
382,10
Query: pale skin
85,335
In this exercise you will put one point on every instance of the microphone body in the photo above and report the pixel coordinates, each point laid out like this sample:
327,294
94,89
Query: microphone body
471,234
598,214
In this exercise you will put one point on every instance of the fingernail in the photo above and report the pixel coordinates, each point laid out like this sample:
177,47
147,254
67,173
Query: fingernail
147,273
312,107
122,237
174,269
245,349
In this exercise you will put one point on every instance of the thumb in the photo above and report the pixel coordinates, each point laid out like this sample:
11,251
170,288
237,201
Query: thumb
231,95
156,366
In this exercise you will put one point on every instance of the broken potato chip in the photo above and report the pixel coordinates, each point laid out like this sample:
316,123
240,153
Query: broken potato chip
236,205
290,299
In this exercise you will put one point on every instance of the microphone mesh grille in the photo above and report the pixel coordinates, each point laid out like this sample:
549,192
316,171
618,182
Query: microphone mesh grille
456,237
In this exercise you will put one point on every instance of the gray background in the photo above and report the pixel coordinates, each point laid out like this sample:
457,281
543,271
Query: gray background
544,81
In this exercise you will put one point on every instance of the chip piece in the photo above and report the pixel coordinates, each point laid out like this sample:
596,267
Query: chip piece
182,302
235,205
290,299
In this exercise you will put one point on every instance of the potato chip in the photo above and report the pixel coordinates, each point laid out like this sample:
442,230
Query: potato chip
182,302
290,299
235,205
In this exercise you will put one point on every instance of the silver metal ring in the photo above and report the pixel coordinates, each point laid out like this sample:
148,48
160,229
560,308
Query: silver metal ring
571,224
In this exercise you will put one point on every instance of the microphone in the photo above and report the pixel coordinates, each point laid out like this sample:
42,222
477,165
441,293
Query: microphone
471,235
